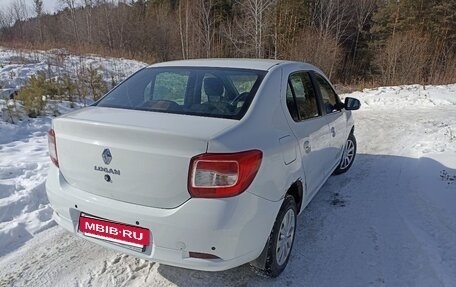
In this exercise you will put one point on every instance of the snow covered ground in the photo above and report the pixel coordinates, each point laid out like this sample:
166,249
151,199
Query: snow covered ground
24,208
17,66
390,221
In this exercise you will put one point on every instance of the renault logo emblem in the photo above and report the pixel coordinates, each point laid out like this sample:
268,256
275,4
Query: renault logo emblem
107,157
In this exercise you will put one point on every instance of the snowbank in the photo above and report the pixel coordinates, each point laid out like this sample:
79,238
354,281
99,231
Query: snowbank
16,67
24,208
400,97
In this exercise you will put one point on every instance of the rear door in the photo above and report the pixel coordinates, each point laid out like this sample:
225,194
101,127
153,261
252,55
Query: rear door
334,117
310,128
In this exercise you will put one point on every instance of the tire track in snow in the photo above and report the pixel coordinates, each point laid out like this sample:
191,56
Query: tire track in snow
24,208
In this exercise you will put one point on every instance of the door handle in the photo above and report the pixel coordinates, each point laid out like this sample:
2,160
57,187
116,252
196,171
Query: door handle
333,131
307,147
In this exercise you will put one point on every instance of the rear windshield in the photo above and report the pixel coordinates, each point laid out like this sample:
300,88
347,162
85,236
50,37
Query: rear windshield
211,92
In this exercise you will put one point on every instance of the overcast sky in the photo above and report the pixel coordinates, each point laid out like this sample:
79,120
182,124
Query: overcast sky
50,6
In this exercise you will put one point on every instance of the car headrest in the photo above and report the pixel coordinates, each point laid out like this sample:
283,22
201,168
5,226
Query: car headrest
213,87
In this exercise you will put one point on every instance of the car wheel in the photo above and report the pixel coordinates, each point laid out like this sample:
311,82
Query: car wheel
280,242
348,156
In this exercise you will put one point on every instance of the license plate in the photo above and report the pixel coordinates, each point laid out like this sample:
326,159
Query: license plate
114,231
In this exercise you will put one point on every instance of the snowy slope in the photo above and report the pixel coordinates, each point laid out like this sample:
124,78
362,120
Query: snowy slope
388,222
16,67
24,208
400,97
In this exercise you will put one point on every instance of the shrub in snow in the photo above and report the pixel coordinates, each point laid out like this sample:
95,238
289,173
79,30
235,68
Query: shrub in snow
31,95
68,87
92,80
9,110
34,94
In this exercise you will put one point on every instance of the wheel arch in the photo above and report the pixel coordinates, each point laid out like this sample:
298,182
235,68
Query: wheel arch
297,191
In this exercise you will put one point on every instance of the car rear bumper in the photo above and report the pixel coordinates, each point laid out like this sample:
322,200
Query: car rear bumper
233,229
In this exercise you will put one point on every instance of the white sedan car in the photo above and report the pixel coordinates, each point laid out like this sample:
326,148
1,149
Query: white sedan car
202,164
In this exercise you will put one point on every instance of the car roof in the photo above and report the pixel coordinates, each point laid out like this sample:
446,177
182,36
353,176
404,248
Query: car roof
240,63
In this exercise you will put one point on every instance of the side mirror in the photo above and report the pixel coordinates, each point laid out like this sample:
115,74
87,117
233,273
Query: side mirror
352,104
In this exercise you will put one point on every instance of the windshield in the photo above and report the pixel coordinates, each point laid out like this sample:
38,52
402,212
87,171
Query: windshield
211,92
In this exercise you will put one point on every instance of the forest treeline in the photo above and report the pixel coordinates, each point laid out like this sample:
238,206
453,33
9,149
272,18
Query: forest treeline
381,42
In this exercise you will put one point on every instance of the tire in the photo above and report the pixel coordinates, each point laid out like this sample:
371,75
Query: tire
277,254
348,157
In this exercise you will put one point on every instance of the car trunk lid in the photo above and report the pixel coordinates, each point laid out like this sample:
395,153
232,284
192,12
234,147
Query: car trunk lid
133,156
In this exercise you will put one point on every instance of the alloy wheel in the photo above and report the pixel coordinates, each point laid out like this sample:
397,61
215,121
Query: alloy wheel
285,237
349,154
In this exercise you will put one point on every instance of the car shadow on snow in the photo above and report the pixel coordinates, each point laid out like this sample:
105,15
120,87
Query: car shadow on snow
338,214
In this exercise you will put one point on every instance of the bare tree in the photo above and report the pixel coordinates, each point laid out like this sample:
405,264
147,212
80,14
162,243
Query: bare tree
288,18
310,46
88,4
404,58
331,18
72,5
5,19
107,25
258,12
205,24
183,11
247,32
38,7
18,12
363,10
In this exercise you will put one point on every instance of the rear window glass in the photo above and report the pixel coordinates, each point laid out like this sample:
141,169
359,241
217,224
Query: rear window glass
212,92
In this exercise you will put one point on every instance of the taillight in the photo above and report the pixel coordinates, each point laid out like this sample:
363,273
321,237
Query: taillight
53,147
214,175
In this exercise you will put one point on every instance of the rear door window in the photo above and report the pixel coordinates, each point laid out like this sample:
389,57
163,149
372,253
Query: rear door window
305,102
329,97
291,104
